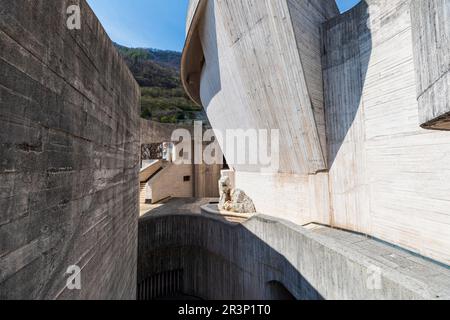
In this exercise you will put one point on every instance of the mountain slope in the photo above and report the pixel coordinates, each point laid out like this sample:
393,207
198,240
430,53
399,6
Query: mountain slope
163,97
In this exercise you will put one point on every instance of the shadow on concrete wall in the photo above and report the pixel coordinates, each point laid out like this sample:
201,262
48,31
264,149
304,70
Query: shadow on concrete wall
346,53
215,259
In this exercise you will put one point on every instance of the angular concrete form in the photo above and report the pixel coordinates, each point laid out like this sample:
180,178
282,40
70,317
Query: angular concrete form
69,156
353,154
185,252
431,35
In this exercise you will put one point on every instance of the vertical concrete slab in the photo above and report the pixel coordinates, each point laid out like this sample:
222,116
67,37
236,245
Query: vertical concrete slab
69,156
431,36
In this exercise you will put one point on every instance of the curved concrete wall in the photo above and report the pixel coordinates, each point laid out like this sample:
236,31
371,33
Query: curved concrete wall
220,260
69,150
387,175
241,86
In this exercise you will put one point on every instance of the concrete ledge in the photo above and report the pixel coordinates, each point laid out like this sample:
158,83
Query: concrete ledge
213,210
241,261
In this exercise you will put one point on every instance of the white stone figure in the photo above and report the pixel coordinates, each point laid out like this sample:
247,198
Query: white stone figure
225,193
234,200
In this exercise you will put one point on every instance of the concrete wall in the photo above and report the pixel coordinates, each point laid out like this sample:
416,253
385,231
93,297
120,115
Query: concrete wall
149,170
169,182
307,17
243,66
69,150
385,176
431,35
220,260
155,132
206,180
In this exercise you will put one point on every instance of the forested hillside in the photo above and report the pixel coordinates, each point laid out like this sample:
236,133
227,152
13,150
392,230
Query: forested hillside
163,97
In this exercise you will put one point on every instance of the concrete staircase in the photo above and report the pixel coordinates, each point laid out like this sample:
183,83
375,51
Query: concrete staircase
145,175
142,193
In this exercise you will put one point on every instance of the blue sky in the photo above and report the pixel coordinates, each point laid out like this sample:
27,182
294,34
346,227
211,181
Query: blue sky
151,23
344,5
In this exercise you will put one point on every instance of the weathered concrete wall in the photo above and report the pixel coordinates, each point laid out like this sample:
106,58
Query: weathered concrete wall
297,198
155,132
219,260
245,83
184,181
170,182
151,152
384,175
431,35
387,175
69,156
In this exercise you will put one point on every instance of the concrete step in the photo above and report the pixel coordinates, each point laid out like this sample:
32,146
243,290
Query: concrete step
142,195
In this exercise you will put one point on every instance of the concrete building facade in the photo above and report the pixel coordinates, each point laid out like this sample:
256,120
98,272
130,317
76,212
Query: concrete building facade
349,94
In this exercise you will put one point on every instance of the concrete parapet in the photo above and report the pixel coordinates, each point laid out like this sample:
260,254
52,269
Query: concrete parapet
268,258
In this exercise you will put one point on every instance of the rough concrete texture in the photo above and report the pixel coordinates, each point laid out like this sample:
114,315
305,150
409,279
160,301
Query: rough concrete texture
155,132
387,175
203,177
431,35
234,200
241,203
253,260
69,156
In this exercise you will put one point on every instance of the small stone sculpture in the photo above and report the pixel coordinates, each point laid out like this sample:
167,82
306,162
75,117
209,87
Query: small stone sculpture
234,200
